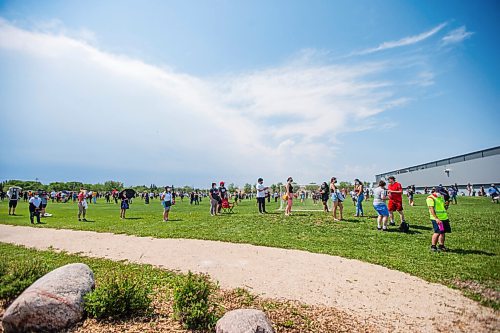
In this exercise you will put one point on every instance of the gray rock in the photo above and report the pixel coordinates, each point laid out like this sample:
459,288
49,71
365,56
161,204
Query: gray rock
54,302
244,321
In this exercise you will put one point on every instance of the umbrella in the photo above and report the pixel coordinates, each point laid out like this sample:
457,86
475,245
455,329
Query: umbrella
13,187
129,193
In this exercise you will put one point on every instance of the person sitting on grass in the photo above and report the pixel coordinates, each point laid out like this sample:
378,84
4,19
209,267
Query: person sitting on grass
167,202
124,205
494,193
439,218
379,198
35,206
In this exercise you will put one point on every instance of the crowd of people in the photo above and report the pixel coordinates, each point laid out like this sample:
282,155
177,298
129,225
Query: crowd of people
387,200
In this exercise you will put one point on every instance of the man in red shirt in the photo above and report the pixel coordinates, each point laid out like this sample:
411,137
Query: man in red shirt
395,191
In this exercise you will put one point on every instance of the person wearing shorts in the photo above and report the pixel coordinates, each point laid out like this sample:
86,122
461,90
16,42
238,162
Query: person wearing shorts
395,191
337,200
439,219
379,198
13,194
167,201
82,205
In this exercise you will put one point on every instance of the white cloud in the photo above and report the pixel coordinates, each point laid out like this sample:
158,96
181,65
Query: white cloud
457,36
404,41
126,114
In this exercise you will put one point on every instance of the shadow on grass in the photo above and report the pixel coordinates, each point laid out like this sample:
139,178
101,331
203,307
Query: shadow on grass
410,232
133,218
465,252
420,227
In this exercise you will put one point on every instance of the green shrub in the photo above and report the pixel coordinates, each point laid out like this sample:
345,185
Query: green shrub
193,304
118,296
18,276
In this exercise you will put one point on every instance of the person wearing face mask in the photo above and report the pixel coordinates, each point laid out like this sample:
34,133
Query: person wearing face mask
439,218
35,206
358,189
261,195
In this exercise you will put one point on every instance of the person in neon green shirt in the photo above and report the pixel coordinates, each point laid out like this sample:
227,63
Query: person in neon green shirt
439,217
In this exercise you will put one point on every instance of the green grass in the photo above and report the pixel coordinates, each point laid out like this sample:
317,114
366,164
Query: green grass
474,243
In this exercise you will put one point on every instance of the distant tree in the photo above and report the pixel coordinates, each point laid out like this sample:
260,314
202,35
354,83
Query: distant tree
247,188
346,185
274,187
112,185
231,188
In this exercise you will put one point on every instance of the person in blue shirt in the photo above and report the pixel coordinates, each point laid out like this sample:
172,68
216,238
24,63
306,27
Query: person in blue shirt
494,193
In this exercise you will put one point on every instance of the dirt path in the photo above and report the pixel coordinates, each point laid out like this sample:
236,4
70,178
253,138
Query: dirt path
382,296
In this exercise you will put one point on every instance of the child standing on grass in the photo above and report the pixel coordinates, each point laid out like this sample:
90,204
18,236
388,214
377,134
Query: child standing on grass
124,205
439,219
379,197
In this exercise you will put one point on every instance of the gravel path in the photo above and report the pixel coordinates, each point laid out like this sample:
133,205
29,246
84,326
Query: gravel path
392,300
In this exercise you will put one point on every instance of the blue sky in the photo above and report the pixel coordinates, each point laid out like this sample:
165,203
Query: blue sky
189,92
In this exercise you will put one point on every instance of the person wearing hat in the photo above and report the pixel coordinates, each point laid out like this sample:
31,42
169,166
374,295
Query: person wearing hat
13,194
261,195
223,195
436,202
82,205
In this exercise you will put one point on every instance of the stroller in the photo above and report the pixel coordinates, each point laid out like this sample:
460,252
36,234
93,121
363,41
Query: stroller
227,207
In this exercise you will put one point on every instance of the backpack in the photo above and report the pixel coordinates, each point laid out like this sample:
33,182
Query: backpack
404,227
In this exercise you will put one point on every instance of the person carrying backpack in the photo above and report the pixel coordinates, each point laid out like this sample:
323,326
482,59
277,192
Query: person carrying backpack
437,204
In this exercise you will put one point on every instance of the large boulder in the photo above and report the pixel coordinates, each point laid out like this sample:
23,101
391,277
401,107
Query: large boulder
53,303
244,321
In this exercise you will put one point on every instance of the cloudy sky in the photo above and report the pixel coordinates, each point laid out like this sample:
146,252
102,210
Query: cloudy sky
189,92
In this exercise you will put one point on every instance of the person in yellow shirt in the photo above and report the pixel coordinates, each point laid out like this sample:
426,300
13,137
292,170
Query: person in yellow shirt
436,202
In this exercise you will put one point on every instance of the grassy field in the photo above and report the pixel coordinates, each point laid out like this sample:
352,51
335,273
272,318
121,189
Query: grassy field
472,263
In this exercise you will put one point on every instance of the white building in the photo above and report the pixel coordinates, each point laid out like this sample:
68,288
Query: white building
480,168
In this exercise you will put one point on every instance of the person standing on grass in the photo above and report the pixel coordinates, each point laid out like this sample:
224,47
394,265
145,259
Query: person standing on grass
410,193
439,218
45,200
289,196
214,199
35,206
224,195
82,205
360,196
13,194
379,198
395,191
261,195
167,201
325,194
124,205
337,200
469,189
494,193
